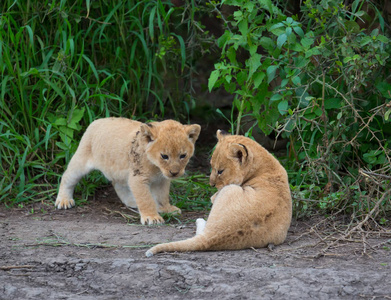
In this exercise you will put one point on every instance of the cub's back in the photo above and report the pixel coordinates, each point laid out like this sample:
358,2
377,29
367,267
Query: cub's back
107,141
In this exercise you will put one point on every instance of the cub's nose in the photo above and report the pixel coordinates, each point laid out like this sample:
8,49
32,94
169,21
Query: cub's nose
174,173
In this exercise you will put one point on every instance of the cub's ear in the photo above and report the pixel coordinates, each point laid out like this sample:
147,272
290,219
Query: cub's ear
221,134
238,152
193,131
147,130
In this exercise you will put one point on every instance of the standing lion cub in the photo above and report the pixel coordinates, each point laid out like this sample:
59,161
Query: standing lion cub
140,160
253,205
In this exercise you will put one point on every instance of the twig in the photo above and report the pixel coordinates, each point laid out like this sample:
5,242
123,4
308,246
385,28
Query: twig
125,216
368,173
360,224
6,268
382,243
358,116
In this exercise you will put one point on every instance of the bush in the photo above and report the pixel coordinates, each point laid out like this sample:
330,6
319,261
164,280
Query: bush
321,80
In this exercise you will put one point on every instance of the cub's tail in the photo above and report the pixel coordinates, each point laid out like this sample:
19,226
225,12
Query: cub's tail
196,243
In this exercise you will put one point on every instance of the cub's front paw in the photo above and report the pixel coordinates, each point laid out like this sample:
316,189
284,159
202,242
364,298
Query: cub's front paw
64,203
170,209
151,220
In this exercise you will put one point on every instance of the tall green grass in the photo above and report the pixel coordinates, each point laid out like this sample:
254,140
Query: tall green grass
64,64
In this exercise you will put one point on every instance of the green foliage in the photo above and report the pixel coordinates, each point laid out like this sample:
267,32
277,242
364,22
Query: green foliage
65,63
319,79
192,193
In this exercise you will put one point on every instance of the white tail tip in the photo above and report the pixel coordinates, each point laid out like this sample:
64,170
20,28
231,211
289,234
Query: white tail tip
149,253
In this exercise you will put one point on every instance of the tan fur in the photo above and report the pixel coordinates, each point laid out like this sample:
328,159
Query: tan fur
253,205
140,160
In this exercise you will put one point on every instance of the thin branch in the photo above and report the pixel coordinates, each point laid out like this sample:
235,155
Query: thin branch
7,268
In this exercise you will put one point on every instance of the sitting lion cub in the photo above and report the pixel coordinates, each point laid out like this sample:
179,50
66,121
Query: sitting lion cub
253,205
140,160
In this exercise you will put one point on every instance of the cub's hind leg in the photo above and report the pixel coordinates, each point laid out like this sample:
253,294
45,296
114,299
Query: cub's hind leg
125,194
78,167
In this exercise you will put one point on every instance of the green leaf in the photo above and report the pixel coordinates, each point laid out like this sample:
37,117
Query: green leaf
288,31
231,54
281,40
241,77
92,66
267,4
339,116
284,82
296,81
76,117
151,23
276,97
384,88
297,47
332,103
283,107
230,87
299,31
375,32
312,52
276,26
300,62
318,111
253,63
370,157
365,40
359,13
307,42
267,43
271,73
213,78
382,38
222,41
352,26
243,27
387,115
258,78
183,50
355,5
238,15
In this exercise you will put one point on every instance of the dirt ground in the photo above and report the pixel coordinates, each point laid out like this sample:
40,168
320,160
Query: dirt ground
93,252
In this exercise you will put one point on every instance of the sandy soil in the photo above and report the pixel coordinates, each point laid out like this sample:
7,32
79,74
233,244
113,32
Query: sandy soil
93,252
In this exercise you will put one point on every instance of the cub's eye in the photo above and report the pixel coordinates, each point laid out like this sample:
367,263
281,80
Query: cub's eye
182,156
164,156
219,172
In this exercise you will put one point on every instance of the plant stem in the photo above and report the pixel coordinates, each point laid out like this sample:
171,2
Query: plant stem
240,116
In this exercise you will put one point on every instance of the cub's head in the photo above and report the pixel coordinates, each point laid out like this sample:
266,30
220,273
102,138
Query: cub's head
230,161
170,145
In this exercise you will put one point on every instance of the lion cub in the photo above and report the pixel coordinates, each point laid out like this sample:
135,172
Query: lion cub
253,205
140,160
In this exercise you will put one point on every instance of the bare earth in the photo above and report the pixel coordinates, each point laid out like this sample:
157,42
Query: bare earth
92,252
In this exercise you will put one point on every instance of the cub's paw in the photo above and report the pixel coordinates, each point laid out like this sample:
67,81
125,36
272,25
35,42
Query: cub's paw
64,203
170,209
200,225
151,220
